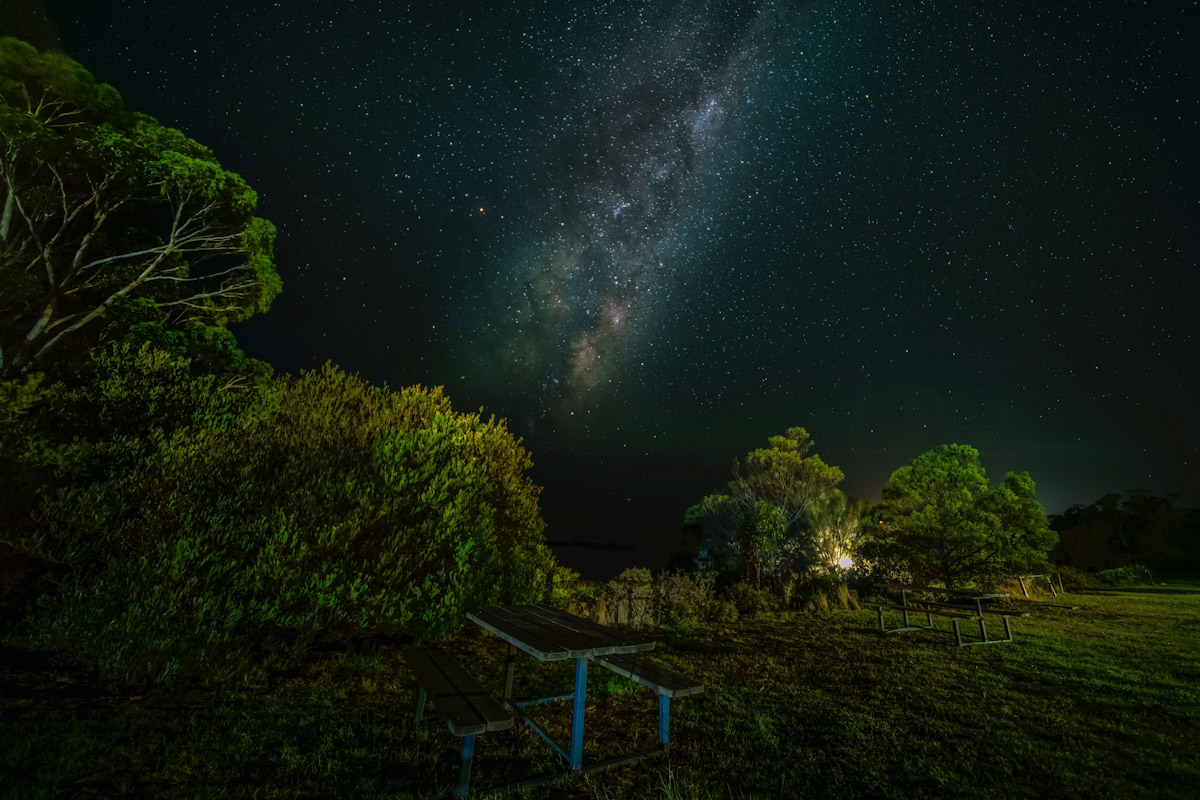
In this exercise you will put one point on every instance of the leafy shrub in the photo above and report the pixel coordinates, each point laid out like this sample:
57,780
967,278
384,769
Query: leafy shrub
749,600
1073,578
216,534
674,598
629,599
1123,576
566,590
685,598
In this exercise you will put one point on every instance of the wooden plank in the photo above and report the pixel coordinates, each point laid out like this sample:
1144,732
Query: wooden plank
459,715
604,640
970,594
562,631
651,675
661,679
562,638
462,681
462,703
916,610
954,606
584,624
487,708
518,636
427,672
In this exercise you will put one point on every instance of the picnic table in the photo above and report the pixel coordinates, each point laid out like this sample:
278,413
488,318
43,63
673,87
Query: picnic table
548,634
964,595
960,609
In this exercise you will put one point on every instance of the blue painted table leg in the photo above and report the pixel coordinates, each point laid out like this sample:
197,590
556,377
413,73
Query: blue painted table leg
420,715
577,715
510,662
464,774
664,721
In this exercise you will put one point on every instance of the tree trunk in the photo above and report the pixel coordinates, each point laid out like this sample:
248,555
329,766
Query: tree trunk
6,217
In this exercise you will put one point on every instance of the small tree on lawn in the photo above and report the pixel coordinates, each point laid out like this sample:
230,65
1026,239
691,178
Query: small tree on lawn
760,534
940,520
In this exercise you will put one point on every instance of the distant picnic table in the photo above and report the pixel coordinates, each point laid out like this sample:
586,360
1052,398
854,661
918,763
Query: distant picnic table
969,604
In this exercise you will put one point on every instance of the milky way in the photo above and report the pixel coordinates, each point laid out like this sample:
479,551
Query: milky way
639,130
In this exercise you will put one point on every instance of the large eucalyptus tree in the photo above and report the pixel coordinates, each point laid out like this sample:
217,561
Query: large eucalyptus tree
110,219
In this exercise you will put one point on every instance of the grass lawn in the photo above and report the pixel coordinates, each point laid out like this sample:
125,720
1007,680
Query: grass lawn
1102,701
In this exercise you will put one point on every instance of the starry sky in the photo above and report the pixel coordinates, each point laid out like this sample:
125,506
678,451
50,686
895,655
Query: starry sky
652,234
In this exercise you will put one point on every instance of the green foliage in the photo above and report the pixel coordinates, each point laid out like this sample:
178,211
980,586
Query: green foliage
760,524
26,457
109,219
784,475
833,533
1123,576
748,599
216,534
760,534
940,520
685,598
674,599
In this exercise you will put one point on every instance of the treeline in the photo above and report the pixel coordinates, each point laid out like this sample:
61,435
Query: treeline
782,521
173,511
1119,531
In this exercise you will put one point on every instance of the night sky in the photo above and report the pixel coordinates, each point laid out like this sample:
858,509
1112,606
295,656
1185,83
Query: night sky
653,234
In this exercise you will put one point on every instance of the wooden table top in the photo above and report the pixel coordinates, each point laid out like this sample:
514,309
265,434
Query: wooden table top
968,594
549,634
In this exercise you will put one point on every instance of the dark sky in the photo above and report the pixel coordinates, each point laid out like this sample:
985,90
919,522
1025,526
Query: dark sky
653,234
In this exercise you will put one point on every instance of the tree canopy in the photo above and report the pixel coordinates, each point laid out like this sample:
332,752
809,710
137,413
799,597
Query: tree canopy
112,222
940,520
764,507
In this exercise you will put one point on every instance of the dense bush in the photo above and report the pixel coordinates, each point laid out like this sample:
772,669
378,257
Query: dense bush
750,600
1123,576
673,598
686,598
217,533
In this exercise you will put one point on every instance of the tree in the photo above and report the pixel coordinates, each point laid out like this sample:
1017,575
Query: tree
835,532
782,476
112,221
1116,531
940,520
760,533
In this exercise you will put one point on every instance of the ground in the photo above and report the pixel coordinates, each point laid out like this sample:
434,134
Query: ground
1099,700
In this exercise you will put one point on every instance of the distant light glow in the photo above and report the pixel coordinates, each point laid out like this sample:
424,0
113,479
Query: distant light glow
845,562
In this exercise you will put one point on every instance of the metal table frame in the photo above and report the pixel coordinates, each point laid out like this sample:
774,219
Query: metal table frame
966,597
548,634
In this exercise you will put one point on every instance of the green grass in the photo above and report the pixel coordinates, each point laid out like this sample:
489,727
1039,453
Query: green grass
1103,701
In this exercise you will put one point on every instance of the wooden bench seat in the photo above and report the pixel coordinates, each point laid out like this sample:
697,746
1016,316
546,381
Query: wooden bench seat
971,611
466,708
915,608
653,676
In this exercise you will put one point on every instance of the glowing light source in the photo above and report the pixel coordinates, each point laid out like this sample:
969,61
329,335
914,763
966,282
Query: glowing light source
845,562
